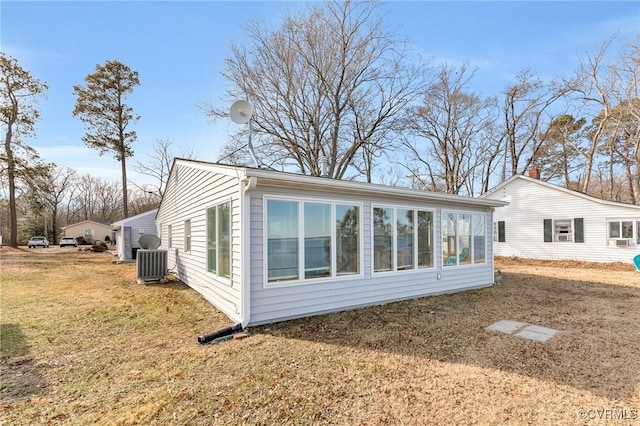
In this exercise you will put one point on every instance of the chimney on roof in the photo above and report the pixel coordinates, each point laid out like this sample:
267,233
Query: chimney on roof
534,173
324,166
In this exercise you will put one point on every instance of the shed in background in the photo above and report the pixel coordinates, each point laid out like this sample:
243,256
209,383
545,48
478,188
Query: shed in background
128,231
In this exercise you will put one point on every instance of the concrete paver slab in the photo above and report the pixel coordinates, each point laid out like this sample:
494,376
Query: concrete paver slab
532,335
506,326
524,330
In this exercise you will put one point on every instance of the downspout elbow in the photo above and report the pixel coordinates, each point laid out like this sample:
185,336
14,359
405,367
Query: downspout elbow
250,183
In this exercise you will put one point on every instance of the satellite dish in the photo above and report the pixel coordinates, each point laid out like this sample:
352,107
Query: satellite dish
149,241
241,112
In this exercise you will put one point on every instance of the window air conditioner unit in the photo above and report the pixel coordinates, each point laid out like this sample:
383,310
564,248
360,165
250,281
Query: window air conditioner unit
622,243
564,237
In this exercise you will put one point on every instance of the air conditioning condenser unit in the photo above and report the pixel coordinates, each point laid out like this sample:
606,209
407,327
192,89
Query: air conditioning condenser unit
151,265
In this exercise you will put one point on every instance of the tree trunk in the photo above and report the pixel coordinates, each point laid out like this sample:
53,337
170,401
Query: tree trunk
11,166
125,198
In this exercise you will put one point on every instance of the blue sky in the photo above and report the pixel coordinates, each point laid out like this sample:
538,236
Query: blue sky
179,49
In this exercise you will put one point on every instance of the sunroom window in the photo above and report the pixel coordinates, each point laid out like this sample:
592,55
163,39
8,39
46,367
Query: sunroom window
463,238
327,233
402,239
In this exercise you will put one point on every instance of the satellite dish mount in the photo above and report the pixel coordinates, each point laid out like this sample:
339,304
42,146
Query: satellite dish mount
241,113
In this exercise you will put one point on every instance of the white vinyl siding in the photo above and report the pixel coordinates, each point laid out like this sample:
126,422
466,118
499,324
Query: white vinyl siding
190,192
531,202
286,300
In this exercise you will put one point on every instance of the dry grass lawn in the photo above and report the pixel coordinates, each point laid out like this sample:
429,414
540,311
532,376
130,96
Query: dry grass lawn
82,343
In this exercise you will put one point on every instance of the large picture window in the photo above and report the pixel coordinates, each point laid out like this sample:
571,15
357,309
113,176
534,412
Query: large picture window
463,238
219,240
308,240
402,239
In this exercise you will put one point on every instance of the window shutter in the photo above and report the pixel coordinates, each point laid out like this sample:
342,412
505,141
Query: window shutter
501,236
578,226
548,231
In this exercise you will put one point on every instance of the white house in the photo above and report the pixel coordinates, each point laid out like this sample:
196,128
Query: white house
546,221
128,231
266,246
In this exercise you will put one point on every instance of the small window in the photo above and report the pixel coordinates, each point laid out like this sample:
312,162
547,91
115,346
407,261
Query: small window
623,232
562,230
499,232
169,237
187,235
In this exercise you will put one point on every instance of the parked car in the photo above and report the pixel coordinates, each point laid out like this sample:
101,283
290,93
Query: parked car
68,241
38,242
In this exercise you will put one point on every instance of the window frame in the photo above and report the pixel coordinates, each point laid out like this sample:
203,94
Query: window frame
187,235
415,262
633,240
301,275
217,221
557,234
471,255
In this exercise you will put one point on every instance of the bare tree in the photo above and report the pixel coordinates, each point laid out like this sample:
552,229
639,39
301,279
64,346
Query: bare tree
158,165
450,126
97,199
327,83
625,140
19,92
592,90
52,190
525,111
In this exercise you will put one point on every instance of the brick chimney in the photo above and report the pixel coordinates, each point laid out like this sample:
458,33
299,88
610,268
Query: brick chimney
534,173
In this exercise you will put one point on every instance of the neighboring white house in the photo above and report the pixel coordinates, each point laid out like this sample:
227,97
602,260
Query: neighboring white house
89,230
266,246
546,221
128,231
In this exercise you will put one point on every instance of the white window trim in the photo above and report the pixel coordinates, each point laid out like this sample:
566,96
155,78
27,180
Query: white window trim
630,242
187,249
394,239
301,279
